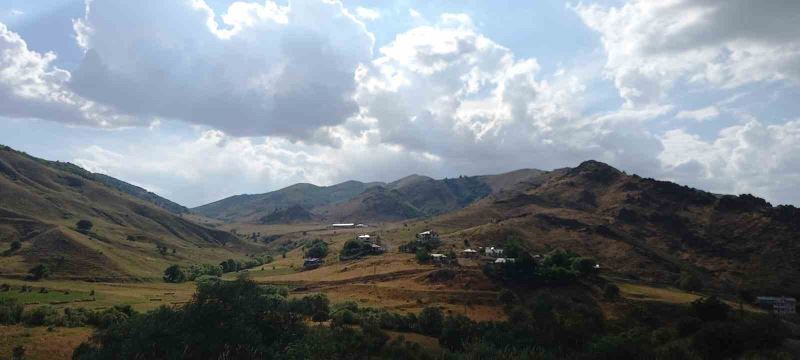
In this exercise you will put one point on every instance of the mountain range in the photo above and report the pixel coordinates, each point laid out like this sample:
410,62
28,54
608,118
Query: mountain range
635,227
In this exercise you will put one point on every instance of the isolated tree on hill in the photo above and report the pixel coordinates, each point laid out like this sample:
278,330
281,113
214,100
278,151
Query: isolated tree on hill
174,274
15,245
84,226
40,271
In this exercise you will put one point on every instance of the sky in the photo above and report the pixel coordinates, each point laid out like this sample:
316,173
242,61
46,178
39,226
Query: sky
198,100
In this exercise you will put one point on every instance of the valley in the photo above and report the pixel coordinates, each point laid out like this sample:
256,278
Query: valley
646,236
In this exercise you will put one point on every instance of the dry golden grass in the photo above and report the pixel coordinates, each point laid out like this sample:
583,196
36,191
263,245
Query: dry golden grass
39,343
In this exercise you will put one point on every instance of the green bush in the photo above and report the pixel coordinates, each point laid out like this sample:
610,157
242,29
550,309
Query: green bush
611,291
318,249
430,321
84,226
40,271
42,315
10,311
174,274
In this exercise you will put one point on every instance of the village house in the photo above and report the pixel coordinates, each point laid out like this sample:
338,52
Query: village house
470,253
366,238
377,249
427,236
504,260
779,305
493,251
312,263
343,226
439,258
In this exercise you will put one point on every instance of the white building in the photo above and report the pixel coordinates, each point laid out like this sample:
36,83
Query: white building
343,226
493,251
365,238
504,260
779,305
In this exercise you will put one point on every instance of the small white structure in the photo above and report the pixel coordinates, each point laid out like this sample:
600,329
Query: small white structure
377,248
439,257
427,236
779,305
343,226
494,252
504,260
365,238
470,253
361,225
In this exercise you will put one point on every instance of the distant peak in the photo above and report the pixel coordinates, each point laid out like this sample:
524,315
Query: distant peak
595,170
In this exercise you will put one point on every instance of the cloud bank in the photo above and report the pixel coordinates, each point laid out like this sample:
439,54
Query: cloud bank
278,94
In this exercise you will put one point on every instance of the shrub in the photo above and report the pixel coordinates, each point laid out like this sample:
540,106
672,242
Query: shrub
174,274
423,256
457,331
690,282
42,315
611,291
318,249
688,325
584,265
709,309
506,297
10,311
430,321
15,245
84,226
40,271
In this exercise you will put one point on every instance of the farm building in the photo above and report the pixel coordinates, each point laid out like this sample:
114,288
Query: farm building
504,260
343,226
439,258
377,249
779,305
469,253
427,236
311,263
366,238
493,251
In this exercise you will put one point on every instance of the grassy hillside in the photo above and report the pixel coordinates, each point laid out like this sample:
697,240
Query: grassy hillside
41,202
643,228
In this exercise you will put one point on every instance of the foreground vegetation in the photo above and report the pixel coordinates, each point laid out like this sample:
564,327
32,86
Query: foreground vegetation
241,319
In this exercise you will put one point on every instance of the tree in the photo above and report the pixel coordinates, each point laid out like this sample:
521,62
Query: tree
40,271
15,245
710,309
584,265
174,274
506,297
690,282
430,321
457,331
318,249
84,226
611,291
423,256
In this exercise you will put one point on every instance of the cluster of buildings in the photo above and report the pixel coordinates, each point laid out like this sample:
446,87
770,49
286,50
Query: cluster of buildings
372,241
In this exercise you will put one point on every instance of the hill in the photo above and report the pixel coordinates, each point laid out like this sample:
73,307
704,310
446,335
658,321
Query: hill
642,228
411,197
253,208
41,201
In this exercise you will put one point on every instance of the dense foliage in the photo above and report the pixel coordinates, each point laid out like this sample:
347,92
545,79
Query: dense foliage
243,320
317,249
